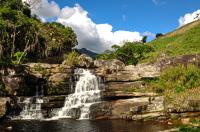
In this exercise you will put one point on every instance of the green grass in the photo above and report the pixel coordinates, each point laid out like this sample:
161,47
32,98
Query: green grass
183,41
189,129
178,84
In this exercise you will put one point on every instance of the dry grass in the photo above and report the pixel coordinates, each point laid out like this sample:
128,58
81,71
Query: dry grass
180,99
182,29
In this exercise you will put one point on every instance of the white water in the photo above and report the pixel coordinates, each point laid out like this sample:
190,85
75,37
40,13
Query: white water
87,92
31,110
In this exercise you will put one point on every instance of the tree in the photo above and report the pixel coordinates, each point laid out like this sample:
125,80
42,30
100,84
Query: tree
144,39
158,35
33,3
22,35
130,53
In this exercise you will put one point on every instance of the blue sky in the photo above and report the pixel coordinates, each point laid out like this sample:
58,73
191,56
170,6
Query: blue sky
99,24
139,15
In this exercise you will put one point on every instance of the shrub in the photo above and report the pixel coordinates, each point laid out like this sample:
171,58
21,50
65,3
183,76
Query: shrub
71,59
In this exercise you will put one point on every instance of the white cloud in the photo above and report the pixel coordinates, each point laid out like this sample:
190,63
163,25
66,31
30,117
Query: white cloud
96,37
44,8
189,17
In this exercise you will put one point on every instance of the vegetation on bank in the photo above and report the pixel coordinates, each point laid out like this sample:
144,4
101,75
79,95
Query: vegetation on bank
178,84
24,38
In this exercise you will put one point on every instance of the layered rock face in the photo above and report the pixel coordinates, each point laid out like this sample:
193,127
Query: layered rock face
57,78
126,93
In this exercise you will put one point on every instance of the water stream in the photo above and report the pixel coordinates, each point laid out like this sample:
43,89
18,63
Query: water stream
87,92
31,107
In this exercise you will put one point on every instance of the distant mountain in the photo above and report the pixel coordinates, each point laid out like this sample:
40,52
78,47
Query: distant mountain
88,52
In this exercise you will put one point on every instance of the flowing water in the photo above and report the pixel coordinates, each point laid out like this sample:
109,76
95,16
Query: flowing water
87,92
31,109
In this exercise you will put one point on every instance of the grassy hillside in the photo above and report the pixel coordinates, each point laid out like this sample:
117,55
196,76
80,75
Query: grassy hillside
183,41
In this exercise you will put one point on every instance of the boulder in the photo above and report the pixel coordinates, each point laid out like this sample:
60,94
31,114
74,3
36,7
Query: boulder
85,61
108,66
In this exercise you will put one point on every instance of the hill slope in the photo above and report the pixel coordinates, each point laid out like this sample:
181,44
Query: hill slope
183,41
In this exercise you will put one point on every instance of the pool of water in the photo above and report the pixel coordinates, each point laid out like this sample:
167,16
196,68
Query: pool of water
69,125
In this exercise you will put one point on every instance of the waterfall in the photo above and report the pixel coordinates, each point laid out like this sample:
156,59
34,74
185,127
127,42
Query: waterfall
87,92
31,107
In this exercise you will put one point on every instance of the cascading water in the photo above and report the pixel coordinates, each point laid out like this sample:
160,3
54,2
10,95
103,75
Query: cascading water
87,92
31,107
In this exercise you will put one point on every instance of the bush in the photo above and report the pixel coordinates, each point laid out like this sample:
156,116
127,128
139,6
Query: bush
71,59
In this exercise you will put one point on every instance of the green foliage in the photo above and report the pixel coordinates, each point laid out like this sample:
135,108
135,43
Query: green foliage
19,32
178,79
71,59
19,57
144,39
59,38
189,129
158,35
130,53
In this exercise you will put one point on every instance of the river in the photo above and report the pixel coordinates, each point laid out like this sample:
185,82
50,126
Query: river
70,125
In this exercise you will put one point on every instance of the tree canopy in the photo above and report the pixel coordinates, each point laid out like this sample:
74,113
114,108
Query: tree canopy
129,53
22,33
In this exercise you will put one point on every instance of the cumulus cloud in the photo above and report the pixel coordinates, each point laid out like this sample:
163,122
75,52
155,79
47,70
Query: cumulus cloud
44,8
189,17
96,37
93,36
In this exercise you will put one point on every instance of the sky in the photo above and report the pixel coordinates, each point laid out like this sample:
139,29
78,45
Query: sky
101,23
